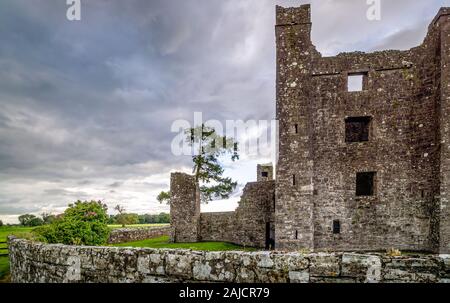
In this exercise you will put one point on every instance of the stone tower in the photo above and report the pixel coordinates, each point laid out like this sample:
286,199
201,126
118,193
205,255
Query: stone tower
364,143
184,208
264,172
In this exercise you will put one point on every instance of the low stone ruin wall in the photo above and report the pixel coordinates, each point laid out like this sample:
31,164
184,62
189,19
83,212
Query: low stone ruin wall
136,234
247,225
37,262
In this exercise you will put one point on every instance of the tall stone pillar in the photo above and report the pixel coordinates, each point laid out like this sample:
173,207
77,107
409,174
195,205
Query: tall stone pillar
443,21
295,168
184,208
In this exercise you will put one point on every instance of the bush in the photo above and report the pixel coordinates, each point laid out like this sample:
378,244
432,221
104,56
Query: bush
83,223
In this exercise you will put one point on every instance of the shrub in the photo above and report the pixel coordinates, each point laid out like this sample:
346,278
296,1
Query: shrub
83,223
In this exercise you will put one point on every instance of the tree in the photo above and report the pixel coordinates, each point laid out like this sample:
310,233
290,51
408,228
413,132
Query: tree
207,169
30,220
83,223
48,218
124,218
1,223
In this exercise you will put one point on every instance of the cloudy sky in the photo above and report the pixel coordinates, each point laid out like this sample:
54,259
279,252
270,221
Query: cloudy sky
86,107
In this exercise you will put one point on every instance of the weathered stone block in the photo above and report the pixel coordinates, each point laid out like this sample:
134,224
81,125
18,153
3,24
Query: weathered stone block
324,265
364,268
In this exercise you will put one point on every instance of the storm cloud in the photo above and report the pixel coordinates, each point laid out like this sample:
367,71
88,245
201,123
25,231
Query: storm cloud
86,106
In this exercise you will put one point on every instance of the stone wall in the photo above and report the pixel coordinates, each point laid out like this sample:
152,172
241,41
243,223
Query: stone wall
252,224
406,95
123,235
184,208
248,224
33,262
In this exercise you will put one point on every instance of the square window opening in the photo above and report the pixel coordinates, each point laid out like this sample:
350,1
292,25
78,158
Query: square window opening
357,129
365,184
264,174
356,82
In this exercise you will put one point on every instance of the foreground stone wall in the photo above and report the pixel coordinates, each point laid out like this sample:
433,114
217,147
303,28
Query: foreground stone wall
123,235
43,263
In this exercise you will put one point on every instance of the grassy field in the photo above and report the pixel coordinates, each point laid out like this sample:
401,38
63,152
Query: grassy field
163,242
4,232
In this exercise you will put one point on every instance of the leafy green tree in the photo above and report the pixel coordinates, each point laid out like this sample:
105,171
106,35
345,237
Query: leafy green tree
124,218
112,219
1,223
48,218
30,220
83,223
207,169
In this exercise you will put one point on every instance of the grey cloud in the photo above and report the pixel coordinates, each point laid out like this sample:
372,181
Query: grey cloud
86,105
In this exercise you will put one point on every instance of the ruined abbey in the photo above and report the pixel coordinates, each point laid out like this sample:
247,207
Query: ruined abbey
364,152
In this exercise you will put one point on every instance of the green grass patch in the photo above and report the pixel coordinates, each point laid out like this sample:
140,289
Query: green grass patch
163,242
5,231
4,268
117,226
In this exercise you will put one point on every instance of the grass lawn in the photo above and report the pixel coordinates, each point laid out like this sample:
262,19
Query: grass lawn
116,226
4,232
163,242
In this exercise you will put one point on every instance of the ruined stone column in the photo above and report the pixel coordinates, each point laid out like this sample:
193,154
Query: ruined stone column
294,188
443,21
184,208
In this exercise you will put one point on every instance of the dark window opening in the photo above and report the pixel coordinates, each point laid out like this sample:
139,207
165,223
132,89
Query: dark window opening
293,180
336,227
422,193
264,174
296,235
357,129
296,128
365,183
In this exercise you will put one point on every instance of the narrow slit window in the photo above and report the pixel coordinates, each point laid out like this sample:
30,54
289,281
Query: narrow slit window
365,184
357,129
296,235
296,128
336,227
293,180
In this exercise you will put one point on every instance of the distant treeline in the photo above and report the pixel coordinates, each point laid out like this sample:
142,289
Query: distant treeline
122,219
130,219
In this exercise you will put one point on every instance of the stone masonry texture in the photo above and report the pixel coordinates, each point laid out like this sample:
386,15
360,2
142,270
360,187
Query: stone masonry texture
251,224
123,235
33,262
405,97
364,170
185,208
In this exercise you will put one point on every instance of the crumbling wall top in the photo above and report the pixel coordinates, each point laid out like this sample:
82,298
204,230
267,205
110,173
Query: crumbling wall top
293,15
